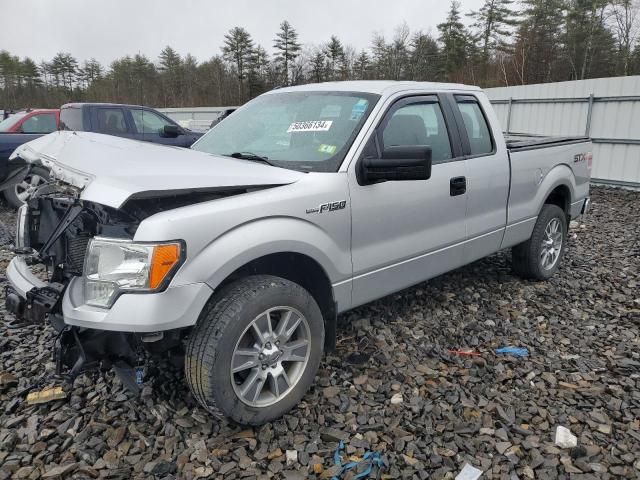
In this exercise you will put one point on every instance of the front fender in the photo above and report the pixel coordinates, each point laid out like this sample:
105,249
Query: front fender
261,237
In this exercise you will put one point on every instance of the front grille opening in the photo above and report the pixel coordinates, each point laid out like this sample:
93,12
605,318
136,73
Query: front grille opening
76,250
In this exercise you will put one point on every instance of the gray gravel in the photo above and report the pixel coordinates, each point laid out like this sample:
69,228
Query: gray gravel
393,386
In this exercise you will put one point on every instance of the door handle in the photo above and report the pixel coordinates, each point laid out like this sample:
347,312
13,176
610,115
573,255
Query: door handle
457,186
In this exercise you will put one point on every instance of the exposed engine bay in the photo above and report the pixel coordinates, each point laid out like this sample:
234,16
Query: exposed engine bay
53,231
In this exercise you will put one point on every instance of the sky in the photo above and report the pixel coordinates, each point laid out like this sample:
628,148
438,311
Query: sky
109,29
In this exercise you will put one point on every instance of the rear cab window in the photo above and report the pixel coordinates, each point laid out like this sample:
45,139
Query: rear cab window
476,125
71,119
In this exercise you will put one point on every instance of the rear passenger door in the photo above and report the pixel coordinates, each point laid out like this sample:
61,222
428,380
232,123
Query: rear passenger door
404,232
488,176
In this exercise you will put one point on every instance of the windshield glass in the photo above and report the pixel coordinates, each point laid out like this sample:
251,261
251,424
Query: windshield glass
9,122
297,130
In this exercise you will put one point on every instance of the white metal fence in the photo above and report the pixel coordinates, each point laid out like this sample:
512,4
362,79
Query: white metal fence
195,118
606,109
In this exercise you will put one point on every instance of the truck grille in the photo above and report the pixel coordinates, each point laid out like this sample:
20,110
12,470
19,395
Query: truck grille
76,249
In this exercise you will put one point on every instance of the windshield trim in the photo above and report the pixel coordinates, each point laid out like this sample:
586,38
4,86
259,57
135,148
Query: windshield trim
332,164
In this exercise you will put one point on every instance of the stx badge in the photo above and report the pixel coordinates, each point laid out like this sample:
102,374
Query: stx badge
328,207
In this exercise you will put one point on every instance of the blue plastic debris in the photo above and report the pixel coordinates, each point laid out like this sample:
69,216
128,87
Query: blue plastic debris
139,376
515,351
370,459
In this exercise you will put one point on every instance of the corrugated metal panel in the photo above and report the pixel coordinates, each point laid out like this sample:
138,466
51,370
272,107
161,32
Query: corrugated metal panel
611,119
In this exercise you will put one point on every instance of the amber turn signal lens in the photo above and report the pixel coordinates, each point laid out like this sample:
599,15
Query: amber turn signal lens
163,259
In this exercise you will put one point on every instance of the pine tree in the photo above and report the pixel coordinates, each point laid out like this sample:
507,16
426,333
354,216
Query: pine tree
423,57
361,66
493,24
454,41
318,67
238,49
287,47
538,40
334,53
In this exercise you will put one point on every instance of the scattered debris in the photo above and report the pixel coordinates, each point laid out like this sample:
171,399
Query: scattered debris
363,467
469,472
464,353
46,395
513,351
564,438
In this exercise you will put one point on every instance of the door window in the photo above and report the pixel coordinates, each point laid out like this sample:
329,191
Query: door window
111,120
148,122
419,124
41,123
475,124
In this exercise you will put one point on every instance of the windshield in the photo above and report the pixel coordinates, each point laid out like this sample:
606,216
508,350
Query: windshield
297,130
7,123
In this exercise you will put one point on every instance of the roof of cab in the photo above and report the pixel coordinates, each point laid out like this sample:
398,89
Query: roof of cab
379,87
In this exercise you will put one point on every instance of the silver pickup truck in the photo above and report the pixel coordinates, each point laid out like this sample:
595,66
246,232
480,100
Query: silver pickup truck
306,202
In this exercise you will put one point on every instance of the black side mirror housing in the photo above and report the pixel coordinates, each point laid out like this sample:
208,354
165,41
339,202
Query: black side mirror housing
171,131
398,163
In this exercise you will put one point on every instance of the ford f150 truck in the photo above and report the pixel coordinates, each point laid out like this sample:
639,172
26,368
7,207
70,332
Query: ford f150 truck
306,202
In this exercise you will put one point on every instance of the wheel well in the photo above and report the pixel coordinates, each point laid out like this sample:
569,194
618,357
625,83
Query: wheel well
560,196
304,271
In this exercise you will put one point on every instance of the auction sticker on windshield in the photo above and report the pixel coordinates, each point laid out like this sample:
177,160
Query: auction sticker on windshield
310,126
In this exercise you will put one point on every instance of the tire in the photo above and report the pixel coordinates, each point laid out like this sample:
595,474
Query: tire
529,259
15,195
225,336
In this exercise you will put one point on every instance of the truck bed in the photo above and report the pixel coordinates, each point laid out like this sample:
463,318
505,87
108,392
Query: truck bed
523,141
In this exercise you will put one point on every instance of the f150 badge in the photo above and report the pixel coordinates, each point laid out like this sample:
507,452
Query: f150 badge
328,207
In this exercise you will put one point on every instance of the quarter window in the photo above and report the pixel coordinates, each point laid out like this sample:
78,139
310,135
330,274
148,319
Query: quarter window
476,126
419,124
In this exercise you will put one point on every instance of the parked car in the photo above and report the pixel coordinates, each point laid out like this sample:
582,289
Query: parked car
128,121
306,202
19,128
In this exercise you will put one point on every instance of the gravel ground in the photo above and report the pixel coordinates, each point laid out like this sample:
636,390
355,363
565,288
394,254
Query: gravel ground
393,387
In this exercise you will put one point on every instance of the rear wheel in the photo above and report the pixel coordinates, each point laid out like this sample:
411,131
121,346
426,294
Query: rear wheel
17,195
539,257
255,350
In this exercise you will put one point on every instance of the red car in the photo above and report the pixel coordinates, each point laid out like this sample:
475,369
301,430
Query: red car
41,120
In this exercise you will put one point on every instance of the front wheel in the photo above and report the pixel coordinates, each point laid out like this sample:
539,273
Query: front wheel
255,349
539,257
17,195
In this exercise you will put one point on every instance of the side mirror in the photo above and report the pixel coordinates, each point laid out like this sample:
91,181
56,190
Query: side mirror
171,131
398,163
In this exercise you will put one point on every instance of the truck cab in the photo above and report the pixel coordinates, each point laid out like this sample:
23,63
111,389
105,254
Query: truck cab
128,121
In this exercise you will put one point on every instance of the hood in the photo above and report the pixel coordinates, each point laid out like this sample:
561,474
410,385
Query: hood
110,170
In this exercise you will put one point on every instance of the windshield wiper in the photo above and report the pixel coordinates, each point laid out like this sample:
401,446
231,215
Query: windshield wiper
251,156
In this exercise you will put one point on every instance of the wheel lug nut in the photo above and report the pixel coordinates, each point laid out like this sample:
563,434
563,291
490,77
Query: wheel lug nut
261,356
268,345
277,342
264,366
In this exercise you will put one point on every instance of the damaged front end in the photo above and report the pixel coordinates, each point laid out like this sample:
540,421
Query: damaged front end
53,232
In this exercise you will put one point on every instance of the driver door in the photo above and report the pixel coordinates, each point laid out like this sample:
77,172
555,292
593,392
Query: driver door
404,232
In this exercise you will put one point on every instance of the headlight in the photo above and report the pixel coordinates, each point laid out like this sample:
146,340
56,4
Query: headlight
114,266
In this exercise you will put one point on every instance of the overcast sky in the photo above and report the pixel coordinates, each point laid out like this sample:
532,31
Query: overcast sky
107,29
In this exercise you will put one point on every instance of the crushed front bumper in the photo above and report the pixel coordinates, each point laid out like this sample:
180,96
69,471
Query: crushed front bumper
174,308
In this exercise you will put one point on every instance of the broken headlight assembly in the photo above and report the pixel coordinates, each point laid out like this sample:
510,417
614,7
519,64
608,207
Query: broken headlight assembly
114,266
